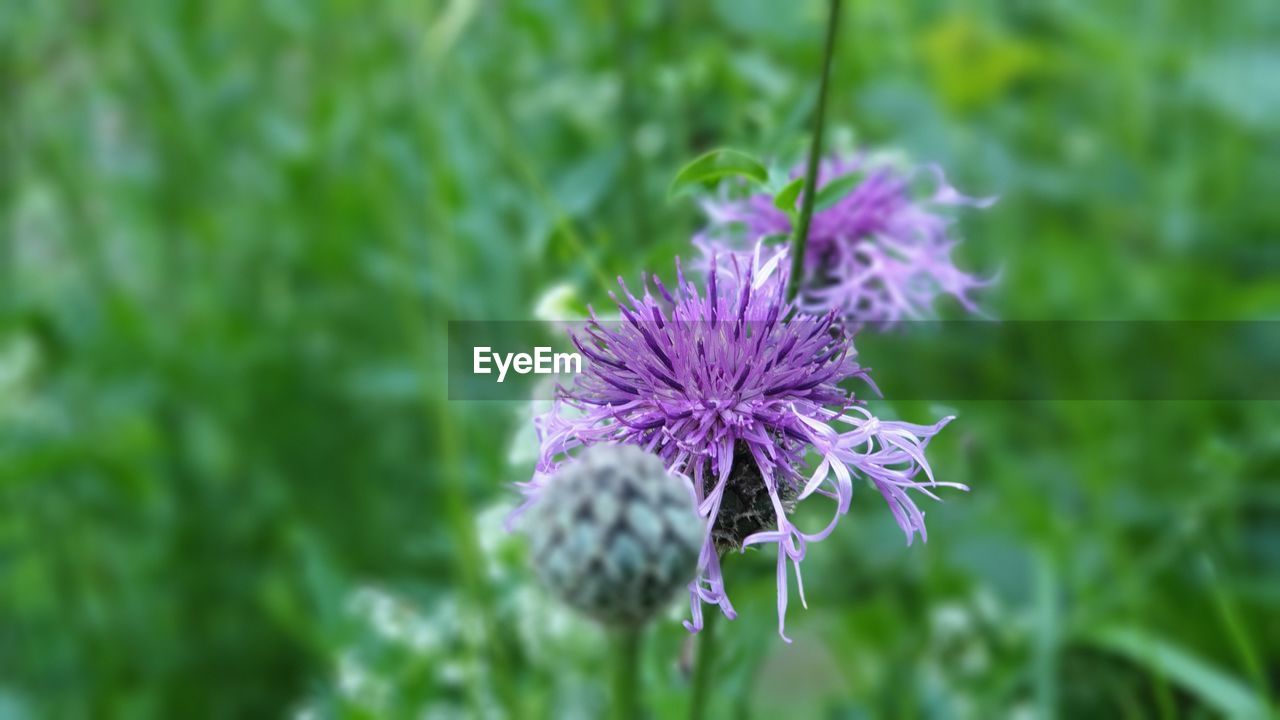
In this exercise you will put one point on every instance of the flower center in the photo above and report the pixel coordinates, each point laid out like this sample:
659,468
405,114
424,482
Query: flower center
745,508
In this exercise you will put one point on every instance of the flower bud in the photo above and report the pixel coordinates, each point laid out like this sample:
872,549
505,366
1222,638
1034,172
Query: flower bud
614,535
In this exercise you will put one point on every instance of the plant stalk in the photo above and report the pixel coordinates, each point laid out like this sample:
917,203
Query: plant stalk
801,237
626,673
704,662
628,115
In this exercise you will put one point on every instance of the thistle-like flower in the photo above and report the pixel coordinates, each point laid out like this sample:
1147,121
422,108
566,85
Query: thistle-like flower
876,256
732,389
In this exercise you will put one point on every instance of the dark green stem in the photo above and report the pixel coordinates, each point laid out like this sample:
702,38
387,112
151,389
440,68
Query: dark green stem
703,664
628,114
801,236
10,147
626,673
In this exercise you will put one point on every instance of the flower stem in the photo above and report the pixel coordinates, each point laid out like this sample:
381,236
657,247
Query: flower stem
626,673
703,663
801,236
628,113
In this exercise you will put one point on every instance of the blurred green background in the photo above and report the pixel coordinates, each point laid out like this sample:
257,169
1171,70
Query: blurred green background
233,232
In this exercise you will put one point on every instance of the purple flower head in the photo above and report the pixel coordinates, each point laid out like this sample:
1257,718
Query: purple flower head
876,256
731,388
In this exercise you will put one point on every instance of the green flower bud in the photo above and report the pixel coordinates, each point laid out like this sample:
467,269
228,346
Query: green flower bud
615,535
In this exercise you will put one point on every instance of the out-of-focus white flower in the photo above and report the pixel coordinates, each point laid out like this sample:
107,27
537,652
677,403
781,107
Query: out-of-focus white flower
557,304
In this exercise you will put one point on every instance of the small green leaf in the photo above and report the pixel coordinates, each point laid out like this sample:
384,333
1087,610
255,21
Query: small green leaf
834,191
785,200
708,169
778,179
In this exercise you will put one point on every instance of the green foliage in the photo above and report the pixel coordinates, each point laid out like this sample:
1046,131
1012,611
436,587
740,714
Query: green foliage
785,199
233,233
835,191
711,167
1218,690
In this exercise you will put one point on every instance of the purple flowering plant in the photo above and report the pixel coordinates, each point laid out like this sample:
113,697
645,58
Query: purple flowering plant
733,387
742,381
879,250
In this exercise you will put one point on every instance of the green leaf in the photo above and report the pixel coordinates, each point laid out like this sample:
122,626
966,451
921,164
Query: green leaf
785,200
1224,692
834,191
708,169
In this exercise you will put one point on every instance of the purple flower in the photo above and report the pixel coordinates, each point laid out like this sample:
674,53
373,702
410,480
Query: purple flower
876,256
731,388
